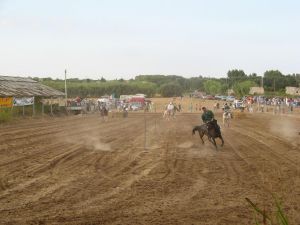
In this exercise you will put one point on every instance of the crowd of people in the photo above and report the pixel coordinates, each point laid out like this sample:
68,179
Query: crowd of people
267,104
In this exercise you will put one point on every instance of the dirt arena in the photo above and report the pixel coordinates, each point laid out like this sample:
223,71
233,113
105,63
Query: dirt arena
146,170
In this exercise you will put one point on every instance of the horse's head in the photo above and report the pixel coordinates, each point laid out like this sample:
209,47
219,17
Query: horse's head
196,128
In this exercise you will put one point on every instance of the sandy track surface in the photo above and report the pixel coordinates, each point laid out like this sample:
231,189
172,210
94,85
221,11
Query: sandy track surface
81,170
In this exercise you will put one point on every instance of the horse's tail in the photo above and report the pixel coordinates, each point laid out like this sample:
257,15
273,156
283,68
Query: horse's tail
195,129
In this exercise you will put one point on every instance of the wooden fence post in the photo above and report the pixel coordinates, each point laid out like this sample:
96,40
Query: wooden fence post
33,107
51,107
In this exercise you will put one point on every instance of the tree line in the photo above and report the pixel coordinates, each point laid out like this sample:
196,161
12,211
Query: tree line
172,85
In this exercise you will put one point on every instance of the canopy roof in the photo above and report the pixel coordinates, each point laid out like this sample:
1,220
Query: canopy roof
25,87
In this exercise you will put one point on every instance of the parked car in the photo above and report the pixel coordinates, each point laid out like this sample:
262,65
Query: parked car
230,98
221,97
135,106
238,104
296,104
209,97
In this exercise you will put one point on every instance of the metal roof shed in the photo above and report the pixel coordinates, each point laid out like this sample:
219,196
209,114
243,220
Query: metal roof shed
25,87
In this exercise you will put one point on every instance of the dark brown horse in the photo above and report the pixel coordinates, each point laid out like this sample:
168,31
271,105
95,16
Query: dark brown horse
211,130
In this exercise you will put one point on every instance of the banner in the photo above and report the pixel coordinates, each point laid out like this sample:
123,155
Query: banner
23,101
6,102
53,101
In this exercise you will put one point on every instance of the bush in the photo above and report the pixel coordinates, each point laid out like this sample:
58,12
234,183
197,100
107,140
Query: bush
170,90
5,115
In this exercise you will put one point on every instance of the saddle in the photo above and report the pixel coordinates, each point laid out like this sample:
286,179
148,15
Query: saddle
213,125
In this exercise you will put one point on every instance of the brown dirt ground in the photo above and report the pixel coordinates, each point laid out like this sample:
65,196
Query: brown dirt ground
145,170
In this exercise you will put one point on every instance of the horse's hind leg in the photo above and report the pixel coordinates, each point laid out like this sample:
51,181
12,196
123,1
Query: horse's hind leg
227,122
201,137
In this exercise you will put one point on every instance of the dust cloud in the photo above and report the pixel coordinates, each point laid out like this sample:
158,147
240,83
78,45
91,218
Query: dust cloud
286,129
196,151
90,141
94,143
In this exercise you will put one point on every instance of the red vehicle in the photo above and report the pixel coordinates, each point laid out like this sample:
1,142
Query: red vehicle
137,102
209,97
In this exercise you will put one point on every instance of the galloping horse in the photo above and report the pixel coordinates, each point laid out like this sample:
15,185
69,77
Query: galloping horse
211,131
103,111
226,118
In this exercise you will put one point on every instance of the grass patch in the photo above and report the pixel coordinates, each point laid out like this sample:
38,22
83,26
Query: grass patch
5,115
278,217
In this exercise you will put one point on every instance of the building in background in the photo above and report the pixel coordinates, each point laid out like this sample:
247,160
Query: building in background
257,91
21,91
292,90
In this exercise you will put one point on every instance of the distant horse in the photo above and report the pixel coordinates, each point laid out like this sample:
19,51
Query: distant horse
167,114
176,109
216,106
226,118
103,111
211,131
170,113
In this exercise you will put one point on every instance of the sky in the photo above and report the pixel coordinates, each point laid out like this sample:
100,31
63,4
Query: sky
124,38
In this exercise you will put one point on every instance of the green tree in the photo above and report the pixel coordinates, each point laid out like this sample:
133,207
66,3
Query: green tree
235,76
297,78
170,90
212,87
273,80
243,88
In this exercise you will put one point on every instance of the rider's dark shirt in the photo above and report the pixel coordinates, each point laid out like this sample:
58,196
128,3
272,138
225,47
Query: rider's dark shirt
207,116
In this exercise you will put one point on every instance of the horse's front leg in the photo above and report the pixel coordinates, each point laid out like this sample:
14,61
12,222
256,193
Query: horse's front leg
214,142
210,139
222,140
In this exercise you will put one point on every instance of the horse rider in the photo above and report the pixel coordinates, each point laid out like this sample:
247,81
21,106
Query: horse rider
226,107
208,116
170,107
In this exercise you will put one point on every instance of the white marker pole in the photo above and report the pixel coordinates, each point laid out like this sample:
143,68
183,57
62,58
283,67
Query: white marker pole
66,92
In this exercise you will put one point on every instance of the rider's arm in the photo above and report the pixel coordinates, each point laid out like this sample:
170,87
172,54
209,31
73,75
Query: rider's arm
203,118
212,115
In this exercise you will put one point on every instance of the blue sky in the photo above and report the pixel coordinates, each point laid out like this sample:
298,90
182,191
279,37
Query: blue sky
122,39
